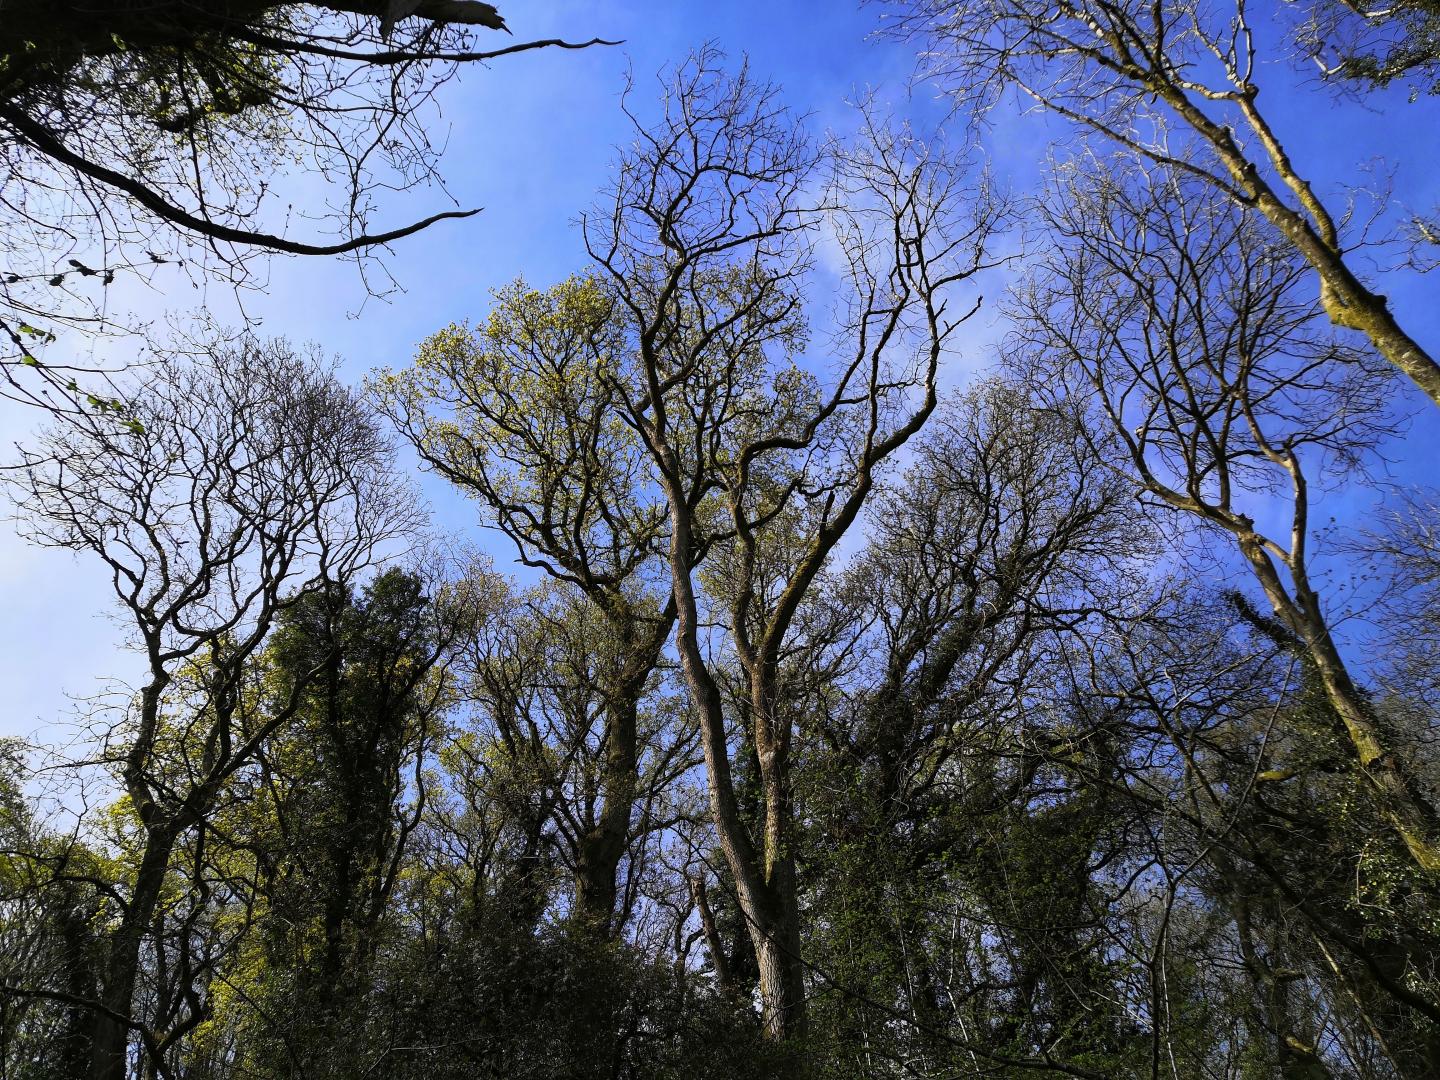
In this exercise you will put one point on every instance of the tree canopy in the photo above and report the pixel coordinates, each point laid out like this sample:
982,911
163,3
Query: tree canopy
886,625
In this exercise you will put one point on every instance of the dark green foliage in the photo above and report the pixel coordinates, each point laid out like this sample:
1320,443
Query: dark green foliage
492,1001
335,783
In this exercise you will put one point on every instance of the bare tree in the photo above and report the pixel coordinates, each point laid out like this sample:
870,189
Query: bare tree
1177,318
245,479
707,242
1137,72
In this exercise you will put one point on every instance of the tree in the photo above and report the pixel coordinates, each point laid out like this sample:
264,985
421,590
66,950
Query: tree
1259,819
999,542
329,810
48,912
1136,73
244,479
543,741
1178,320
130,130
522,415
1403,551
706,241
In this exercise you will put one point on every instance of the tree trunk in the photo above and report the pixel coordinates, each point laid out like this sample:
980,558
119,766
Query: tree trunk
776,935
603,847
110,1033
775,925
764,890
1402,803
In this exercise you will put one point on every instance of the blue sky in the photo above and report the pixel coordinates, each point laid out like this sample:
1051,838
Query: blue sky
530,139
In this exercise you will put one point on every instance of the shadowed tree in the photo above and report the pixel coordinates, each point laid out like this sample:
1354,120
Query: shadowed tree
1000,539
521,414
337,793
